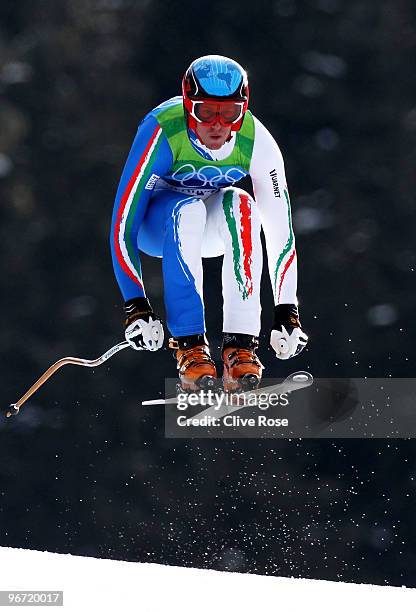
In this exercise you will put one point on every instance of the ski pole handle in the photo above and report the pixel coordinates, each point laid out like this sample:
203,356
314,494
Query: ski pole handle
89,363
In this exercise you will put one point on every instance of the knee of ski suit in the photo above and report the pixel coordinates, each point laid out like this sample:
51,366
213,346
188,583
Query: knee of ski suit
186,224
240,211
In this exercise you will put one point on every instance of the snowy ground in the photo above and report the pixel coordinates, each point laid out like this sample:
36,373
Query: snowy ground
101,584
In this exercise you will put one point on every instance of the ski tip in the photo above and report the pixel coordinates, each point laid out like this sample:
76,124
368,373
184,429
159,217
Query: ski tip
301,377
304,379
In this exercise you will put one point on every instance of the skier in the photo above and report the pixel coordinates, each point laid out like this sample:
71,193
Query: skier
176,200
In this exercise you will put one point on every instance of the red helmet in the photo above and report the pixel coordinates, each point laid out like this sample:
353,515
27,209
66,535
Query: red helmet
215,88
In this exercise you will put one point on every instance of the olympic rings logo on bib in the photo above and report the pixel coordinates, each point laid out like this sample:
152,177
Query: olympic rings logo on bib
207,176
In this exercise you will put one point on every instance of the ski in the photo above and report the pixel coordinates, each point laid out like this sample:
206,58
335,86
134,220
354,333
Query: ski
294,382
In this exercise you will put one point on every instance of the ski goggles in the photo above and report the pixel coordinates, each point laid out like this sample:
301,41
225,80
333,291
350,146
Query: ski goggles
209,111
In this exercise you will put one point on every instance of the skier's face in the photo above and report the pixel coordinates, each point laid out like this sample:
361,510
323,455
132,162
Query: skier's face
213,136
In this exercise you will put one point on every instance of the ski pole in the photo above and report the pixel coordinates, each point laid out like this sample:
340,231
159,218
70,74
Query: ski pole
89,363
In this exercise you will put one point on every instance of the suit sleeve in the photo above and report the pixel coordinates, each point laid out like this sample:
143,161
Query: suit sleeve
150,157
270,189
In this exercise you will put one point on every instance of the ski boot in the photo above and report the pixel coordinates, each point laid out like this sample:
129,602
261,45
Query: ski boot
196,368
242,367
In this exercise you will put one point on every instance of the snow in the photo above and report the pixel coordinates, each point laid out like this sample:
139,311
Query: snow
102,584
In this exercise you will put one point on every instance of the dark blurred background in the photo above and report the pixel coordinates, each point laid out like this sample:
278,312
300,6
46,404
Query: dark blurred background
85,469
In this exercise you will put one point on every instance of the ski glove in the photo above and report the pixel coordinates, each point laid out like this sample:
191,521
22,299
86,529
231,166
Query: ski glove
287,337
143,329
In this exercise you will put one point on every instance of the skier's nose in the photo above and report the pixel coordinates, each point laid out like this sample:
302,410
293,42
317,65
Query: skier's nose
216,126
